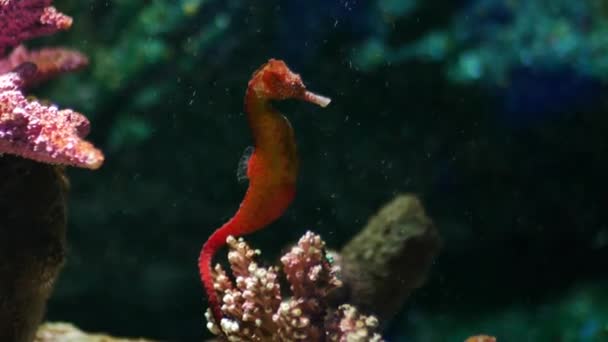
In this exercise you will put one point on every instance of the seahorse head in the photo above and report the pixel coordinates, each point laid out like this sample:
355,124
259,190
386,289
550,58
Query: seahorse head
275,81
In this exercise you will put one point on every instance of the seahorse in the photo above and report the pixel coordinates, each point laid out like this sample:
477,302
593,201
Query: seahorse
271,168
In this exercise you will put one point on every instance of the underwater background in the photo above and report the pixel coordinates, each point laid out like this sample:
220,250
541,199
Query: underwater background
492,112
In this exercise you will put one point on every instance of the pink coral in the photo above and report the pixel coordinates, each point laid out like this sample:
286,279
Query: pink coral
50,62
347,324
254,308
42,133
28,128
26,19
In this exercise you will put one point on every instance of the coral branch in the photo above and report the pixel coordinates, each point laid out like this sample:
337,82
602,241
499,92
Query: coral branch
42,133
311,278
50,62
348,325
26,19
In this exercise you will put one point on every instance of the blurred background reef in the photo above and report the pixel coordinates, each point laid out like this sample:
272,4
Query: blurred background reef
492,111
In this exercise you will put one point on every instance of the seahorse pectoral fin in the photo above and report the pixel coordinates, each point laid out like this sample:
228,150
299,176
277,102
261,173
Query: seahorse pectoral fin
241,171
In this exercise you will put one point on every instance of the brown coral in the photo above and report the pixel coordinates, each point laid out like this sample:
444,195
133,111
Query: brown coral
255,310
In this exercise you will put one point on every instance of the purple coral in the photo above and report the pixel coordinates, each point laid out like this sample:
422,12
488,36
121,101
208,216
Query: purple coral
25,19
28,128
42,133
254,308
50,62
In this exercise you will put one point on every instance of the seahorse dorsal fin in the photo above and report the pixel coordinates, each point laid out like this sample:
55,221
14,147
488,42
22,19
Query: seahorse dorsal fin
241,171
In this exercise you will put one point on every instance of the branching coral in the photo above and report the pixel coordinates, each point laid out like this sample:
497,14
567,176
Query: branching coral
255,309
28,128
49,61
39,132
33,193
347,324
25,19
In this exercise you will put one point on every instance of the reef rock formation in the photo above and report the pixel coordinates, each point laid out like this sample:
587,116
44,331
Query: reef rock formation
32,242
390,258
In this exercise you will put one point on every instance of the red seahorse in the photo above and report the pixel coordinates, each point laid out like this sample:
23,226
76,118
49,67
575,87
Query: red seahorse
272,167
